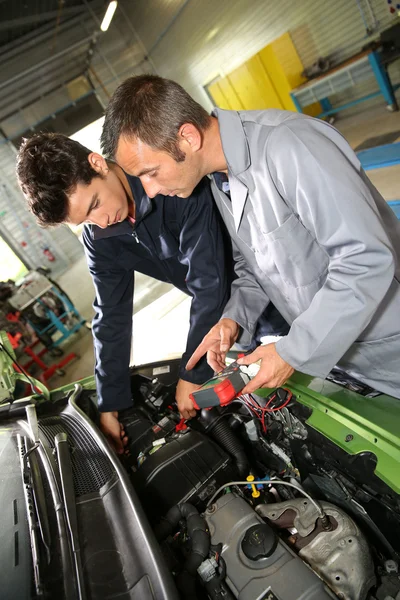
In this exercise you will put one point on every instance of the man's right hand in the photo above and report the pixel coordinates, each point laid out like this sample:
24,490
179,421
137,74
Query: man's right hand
113,430
216,343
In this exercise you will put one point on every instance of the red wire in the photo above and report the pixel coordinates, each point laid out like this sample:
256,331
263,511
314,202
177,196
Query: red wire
288,399
264,427
269,402
253,402
256,408
252,409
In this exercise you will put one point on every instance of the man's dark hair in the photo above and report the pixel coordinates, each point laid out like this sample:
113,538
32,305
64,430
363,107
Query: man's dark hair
151,109
49,167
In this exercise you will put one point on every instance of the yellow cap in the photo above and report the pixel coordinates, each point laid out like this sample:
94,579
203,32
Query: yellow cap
255,493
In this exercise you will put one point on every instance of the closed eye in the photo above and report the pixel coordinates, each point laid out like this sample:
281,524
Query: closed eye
95,203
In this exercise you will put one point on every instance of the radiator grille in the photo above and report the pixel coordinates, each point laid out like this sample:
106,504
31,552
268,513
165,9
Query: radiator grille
90,466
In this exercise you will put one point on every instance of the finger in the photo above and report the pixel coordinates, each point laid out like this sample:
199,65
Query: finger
250,358
226,342
220,360
215,362
116,443
188,413
198,353
125,440
257,382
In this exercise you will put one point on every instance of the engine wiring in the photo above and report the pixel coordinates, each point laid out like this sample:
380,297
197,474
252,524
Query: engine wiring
260,411
269,482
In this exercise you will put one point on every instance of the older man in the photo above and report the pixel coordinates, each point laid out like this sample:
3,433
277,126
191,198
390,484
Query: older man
310,231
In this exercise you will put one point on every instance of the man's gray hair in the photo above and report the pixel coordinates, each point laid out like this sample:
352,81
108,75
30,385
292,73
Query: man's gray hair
151,109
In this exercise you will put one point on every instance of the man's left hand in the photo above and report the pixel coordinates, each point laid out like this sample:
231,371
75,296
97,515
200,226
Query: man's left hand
274,371
185,405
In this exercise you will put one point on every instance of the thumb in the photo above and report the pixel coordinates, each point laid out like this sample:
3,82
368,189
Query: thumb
256,383
250,358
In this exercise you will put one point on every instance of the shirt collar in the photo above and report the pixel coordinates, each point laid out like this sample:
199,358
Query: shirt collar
234,141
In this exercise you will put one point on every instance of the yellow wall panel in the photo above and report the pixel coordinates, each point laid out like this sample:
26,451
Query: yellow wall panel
292,67
270,62
218,96
230,94
265,86
246,88
264,81
286,54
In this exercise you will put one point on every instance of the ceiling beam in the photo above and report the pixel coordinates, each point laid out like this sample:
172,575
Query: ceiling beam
45,62
40,18
39,96
45,16
42,32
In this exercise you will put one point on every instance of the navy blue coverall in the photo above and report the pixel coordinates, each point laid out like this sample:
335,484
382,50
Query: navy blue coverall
176,240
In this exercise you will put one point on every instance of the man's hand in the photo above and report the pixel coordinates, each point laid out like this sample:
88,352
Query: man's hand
274,371
113,430
185,405
216,343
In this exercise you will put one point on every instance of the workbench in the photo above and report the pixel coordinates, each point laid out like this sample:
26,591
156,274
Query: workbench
348,74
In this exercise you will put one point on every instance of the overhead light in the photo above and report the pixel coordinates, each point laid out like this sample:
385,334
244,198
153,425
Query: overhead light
109,15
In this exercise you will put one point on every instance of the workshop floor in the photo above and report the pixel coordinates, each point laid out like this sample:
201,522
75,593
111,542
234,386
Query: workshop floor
161,318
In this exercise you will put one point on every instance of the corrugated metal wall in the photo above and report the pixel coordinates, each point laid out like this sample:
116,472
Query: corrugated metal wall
211,38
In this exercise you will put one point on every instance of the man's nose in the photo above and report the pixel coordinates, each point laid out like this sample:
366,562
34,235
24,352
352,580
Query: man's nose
100,220
151,188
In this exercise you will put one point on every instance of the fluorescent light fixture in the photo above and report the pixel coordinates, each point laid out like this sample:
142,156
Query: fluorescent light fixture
109,15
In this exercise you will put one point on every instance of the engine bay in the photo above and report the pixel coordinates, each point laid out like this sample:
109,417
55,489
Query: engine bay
307,521
244,501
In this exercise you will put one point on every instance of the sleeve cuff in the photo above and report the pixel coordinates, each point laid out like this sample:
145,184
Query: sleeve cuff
247,330
285,351
201,373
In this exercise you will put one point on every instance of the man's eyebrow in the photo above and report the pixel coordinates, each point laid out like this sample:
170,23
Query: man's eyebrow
93,202
148,170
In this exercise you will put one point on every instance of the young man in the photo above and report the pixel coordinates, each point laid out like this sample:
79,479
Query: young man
168,239
310,231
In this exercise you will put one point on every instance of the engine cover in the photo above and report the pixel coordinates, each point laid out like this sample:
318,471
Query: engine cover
188,467
281,575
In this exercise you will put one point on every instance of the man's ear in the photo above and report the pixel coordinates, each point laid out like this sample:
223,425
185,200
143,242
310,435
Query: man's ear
189,134
98,163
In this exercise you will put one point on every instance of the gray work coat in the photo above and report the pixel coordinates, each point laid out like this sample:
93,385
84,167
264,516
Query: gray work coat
312,234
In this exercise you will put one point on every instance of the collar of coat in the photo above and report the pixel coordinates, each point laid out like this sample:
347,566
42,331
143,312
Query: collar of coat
236,150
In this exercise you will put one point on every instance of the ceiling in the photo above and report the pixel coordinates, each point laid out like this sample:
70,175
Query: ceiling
44,45
21,19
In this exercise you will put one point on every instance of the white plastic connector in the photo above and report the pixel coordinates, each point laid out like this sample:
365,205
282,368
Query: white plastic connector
250,370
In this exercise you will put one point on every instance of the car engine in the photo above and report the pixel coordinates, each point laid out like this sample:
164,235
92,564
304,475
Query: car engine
244,501
249,502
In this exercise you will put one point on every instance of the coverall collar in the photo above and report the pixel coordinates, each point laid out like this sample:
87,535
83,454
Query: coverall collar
236,150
